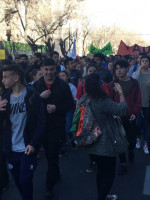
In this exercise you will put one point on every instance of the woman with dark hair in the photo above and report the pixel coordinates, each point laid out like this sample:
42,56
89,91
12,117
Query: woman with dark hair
91,68
35,75
103,150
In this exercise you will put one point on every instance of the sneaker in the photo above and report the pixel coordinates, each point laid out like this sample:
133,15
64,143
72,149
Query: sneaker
145,149
122,170
62,153
92,167
111,197
138,143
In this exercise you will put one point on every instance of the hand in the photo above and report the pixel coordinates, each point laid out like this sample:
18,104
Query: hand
45,94
118,88
3,104
140,68
29,150
51,108
132,117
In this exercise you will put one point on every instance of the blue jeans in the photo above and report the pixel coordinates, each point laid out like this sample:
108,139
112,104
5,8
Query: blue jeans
143,125
22,167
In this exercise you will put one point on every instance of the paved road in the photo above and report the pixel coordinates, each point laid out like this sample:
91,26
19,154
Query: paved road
76,184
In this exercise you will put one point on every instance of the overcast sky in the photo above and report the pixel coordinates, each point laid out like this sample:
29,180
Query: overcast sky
133,15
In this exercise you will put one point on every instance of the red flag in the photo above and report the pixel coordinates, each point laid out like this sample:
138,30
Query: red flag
132,50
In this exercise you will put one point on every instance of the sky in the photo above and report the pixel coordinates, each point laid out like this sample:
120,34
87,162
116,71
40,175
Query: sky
132,15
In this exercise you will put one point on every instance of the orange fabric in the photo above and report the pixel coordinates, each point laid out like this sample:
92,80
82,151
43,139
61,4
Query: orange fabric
80,126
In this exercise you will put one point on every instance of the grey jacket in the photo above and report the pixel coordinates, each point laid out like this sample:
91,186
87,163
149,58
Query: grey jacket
104,109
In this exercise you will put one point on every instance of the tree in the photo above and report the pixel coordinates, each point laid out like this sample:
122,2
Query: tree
85,33
66,42
49,24
38,20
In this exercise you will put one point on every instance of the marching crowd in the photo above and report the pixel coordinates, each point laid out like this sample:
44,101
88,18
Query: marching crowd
38,98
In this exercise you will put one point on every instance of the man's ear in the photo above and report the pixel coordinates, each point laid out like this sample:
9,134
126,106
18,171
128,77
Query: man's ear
16,78
41,68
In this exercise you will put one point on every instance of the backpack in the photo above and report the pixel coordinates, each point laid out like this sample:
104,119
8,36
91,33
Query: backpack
88,130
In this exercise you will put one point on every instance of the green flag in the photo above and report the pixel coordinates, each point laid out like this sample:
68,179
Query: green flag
106,50
93,49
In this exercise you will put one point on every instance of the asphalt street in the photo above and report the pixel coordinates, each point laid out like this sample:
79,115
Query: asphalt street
77,184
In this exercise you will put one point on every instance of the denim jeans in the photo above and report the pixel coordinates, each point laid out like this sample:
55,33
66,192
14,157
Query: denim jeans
143,125
22,167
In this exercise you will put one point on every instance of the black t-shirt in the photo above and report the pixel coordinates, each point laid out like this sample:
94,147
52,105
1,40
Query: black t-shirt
125,86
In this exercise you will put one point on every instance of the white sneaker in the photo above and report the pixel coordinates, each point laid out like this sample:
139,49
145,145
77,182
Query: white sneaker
112,197
145,149
138,143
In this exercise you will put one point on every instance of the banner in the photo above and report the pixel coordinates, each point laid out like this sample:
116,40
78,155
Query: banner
132,50
16,47
106,50
2,54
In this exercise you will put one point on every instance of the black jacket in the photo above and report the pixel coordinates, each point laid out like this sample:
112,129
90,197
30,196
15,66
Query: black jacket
61,97
35,122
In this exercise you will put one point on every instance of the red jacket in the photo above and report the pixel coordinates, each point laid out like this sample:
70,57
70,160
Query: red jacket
133,98
81,89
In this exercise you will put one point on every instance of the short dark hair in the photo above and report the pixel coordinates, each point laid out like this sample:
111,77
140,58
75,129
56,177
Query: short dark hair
54,53
67,74
48,62
16,69
100,55
24,55
17,57
35,71
6,62
67,60
38,55
92,64
145,56
121,63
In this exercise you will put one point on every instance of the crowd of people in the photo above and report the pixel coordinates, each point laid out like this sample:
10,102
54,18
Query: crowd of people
38,98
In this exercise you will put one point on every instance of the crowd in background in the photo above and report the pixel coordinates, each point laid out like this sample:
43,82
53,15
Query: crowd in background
67,88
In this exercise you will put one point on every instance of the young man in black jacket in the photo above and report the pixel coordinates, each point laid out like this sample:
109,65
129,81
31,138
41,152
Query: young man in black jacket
22,110
57,99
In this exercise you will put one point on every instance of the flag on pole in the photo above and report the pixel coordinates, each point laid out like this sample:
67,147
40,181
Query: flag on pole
73,53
